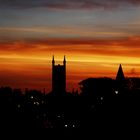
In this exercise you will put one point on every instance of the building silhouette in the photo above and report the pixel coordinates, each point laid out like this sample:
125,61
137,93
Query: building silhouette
120,78
59,77
120,75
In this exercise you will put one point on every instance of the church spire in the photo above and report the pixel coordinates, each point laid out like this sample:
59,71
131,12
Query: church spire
120,75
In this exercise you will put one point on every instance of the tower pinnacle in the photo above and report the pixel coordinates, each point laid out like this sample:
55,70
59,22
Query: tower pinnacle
64,60
53,61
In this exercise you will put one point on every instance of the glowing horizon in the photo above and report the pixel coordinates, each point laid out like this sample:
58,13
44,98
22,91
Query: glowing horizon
32,69
95,35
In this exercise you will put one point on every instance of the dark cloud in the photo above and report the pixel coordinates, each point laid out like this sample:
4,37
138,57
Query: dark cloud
68,4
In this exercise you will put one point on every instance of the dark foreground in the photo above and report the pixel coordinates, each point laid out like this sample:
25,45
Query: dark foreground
37,110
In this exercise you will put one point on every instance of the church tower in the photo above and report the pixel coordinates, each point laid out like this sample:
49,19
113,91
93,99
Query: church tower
120,78
120,74
59,77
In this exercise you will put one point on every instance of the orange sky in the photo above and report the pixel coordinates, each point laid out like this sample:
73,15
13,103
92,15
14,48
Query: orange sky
28,63
95,35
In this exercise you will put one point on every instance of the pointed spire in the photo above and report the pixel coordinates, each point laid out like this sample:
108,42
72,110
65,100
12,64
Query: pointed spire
53,61
120,74
53,58
64,59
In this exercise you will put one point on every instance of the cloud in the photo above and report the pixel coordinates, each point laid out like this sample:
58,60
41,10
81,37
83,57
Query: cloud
126,47
129,42
133,72
68,4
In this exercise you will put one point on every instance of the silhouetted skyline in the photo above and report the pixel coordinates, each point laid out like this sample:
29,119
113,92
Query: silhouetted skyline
100,102
59,78
95,35
69,64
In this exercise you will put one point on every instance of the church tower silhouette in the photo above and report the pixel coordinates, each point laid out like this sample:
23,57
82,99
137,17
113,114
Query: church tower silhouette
120,75
120,78
59,77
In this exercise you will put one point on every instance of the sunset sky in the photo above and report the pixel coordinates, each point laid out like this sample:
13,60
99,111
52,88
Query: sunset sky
95,35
